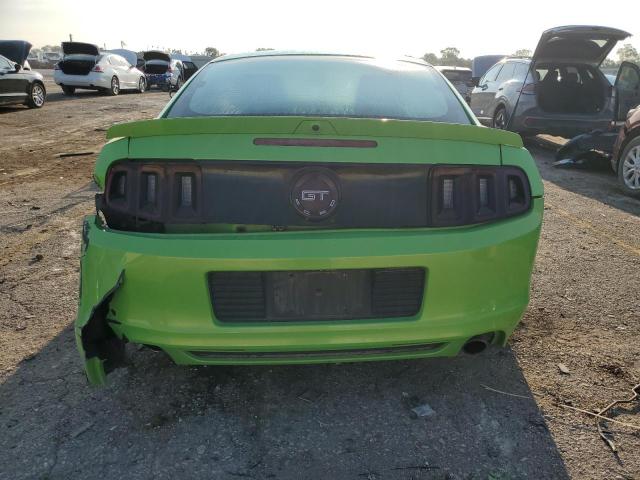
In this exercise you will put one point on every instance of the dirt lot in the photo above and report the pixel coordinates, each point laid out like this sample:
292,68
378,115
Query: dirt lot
157,420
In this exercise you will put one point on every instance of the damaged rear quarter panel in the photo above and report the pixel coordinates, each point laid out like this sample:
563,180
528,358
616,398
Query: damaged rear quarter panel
97,286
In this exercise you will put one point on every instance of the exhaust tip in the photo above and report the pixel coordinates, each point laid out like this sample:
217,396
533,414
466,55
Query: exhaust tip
477,344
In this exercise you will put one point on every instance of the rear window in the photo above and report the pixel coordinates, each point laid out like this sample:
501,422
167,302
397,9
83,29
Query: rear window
521,71
324,86
506,73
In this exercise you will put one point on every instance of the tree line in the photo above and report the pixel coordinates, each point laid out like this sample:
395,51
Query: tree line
450,56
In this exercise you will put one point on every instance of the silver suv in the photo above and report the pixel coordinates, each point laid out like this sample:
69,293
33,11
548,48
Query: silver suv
561,89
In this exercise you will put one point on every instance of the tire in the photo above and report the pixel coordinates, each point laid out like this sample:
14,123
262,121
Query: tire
500,118
68,90
142,85
629,168
115,87
37,95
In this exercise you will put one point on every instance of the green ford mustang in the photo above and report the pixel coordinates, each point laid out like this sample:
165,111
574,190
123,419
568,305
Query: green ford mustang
304,208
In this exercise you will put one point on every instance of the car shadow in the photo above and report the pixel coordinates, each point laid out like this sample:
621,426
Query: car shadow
160,420
600,183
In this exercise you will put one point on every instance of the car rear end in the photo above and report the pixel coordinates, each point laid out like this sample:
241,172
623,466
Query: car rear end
159,69
82,66
158,73
266,237
460,78
532,116
566,93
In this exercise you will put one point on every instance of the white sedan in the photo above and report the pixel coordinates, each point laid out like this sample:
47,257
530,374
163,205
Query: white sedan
83,66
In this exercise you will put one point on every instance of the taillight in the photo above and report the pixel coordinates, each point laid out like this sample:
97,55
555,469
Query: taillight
149,190
529,89
186,191
464,195
151,196
97,68
138,193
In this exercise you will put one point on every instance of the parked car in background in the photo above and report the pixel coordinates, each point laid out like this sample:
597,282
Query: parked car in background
190,63
235,236
460,77
129,55
200,60
561,89
480,65
626,153
52,57
83,66
17,51
166,72
17,85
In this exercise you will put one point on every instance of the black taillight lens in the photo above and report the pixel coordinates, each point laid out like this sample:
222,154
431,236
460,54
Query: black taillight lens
464,195
157,195
149,190
139,194
118,188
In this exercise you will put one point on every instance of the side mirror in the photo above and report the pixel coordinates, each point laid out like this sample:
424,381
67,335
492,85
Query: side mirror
473,82
17,67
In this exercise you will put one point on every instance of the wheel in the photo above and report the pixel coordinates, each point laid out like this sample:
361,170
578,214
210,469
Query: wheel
37,95
68,90
629,168
500,118
142,85
115,87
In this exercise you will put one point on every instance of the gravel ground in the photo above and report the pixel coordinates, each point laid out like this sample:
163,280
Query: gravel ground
497,415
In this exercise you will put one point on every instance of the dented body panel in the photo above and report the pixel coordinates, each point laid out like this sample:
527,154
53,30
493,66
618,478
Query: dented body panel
302,239
151,288
477,282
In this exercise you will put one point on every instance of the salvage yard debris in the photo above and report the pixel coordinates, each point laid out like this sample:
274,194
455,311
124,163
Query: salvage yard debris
605,434
423,410
599,416
74,154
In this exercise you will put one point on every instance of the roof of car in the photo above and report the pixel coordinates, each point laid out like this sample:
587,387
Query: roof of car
445,67
281,53
516,59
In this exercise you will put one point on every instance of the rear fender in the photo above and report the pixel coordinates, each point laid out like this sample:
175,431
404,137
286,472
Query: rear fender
99,346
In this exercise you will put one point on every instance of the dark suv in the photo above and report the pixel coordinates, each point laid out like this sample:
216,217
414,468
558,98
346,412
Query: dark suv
561,89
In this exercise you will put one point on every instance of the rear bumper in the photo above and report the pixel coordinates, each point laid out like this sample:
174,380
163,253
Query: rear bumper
91,80
537,122
159,79
156,290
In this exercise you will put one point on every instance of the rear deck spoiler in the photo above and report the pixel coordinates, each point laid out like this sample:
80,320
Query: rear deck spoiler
343,127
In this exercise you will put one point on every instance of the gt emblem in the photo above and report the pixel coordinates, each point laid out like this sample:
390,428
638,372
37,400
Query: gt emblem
314,193
310,195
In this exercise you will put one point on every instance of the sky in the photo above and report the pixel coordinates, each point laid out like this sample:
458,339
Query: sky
396,27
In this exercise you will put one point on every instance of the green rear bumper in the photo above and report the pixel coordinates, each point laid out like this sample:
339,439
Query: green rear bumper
152,289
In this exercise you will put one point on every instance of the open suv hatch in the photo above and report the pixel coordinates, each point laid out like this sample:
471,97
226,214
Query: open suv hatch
561,89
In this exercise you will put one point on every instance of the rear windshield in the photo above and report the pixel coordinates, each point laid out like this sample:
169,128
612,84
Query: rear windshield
324,86
457,75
